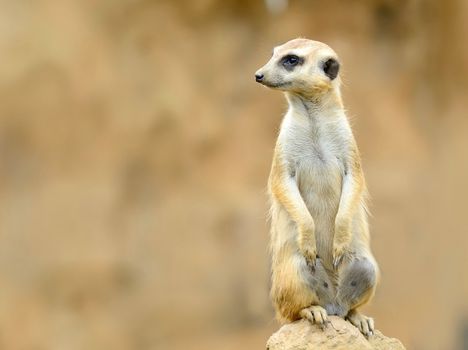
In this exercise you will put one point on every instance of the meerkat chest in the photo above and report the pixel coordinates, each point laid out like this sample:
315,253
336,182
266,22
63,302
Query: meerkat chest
316,155
319,151
319,166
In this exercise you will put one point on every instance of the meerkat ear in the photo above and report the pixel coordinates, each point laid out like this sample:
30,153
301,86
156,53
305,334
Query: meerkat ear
331,68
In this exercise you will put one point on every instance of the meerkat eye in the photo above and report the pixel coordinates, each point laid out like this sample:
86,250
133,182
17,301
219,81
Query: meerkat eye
331,68
290,61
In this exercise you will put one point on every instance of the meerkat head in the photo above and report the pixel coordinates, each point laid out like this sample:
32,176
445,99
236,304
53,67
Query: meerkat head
301,66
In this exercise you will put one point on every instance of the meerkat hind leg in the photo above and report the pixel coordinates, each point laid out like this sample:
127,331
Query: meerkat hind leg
318,282
356,288
357,282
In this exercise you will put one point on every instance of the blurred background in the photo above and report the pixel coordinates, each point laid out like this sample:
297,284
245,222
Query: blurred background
135,149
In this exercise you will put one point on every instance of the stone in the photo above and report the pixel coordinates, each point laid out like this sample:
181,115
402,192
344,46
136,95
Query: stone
337,335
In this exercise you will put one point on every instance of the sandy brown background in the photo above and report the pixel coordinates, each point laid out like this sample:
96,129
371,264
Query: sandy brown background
135,148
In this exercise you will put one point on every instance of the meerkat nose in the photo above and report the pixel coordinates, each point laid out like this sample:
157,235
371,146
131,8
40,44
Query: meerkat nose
259,77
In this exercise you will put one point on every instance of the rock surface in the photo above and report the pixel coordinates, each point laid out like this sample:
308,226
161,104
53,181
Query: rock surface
339,334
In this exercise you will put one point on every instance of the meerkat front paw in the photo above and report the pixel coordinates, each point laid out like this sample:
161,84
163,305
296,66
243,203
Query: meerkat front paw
340,251
309,252
308,249
315,314
341,240
363,323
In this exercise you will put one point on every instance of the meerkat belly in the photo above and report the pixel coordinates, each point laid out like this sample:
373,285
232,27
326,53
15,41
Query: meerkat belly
319,180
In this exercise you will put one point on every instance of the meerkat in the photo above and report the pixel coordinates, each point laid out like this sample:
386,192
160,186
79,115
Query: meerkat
319,240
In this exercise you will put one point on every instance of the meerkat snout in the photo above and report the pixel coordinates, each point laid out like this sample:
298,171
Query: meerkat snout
302,66
258,77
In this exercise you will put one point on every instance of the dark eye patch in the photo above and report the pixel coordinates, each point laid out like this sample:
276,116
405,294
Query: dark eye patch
291,61
331,68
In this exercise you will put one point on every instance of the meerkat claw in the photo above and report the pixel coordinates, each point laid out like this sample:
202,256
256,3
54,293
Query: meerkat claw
337,262
313,262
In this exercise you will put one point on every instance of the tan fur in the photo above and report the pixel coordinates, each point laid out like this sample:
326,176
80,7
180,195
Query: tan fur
316,184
